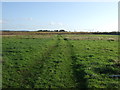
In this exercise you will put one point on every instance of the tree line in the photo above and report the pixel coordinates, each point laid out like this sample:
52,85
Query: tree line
52,30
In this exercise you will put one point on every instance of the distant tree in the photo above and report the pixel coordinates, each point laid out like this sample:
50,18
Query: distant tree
45,30
40,30
115,32
55,30
62,31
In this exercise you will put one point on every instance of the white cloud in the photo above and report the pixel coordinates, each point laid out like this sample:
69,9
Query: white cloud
52,23
25,19
29,19
61,24
113,26
56,23
1,21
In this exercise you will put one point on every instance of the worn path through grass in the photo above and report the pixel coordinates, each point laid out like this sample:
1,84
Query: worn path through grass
37,68
57,70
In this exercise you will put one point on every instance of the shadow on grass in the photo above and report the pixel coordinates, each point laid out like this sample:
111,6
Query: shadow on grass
78,70
79,75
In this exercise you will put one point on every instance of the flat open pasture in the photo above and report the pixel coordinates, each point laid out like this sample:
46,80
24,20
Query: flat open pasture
60,61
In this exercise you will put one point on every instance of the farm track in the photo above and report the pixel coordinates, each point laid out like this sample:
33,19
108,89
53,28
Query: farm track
66,76
58,71
29,77
78,76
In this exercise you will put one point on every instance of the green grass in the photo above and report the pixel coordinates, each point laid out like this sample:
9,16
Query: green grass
60,61
98,60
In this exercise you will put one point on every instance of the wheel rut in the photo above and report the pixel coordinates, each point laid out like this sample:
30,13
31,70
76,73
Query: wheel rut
78,71
58,69
30,76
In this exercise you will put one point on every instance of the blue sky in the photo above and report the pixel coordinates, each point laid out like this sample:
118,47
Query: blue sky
71,16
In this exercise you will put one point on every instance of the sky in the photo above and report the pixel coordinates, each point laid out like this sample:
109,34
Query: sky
70,16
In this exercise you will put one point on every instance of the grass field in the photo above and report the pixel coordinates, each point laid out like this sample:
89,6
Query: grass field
60,61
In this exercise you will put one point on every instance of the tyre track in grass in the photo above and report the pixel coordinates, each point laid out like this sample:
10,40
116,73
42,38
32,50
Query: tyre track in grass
57,71
78,70
30,76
